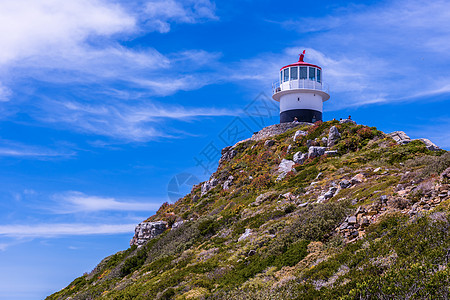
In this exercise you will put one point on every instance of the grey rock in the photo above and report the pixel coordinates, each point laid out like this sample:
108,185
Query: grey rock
261,198
195,198
245,235
445,176
318,176
324,140
308,143
377,170
226,185
284,167
330,193
429,144
345,184
208,185
299,157
227,154
400,137
343,121
289,148
352,220
333,136
299,133
177,224
251,252
303,204
269,143
147,230
315,151
275,129
331,153
343,226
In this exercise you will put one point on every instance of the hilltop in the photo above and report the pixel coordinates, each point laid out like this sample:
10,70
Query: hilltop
331,210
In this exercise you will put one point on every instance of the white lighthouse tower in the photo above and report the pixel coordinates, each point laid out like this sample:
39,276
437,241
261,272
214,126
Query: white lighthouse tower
300,92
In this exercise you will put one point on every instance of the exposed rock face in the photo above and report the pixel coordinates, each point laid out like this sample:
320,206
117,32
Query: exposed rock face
299,157
358,178
343,121
176,225
227,154
429,144
400,137
285,167
261,198
209,185
315,151
147,230
245,235
333,136
299,133
226,185
269,143
276,129
445,176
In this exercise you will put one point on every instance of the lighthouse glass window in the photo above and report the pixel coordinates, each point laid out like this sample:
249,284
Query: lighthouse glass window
303,72
318,75
286,74
294,73
312,73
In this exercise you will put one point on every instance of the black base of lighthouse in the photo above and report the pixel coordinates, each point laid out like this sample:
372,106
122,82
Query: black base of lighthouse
302,115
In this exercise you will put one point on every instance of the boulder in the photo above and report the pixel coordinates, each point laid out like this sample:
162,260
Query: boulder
351,220
330,193
445,176
343,121
333,136
299,133
245,235
177,224
315,151
147,230
209,185
429,144
285,167
261,198
299,157
345,184
227,154
226,185
358,178
269,143
400,137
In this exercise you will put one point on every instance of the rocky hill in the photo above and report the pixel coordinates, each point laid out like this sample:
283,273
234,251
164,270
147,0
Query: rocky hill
329,210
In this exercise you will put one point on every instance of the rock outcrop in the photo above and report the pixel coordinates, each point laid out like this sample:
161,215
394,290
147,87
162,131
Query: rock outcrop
333,136
276,129
147,230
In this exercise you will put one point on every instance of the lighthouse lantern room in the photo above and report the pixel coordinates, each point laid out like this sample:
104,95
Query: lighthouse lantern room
301,92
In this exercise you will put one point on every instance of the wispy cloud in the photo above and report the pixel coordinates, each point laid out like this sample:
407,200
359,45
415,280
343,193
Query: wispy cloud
76,202
15,149
18,231
161,13
127,123
382,53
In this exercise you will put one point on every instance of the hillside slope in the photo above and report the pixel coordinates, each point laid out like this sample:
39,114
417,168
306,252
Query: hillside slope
287,218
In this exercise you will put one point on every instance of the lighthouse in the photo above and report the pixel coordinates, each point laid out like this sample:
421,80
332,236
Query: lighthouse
301,92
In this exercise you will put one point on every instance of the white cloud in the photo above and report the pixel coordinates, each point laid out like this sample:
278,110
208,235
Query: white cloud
75,202
57,230
129,123
14,149
392,51
161,12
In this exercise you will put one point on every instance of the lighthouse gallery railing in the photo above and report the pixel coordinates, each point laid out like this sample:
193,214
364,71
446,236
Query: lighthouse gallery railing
299,84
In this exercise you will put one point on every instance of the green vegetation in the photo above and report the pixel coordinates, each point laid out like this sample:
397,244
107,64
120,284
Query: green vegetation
293,248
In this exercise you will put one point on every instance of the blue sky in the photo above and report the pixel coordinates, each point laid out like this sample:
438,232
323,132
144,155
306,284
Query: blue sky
103,103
